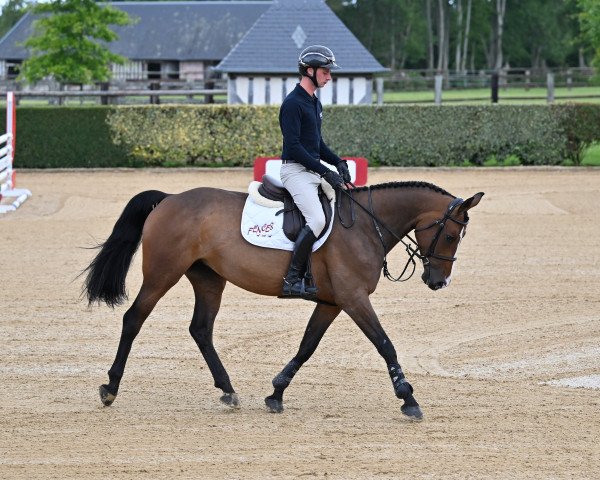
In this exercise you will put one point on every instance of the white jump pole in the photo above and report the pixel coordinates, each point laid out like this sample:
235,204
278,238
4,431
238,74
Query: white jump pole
7,155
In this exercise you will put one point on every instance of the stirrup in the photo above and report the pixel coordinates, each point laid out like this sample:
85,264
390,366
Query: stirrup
298,289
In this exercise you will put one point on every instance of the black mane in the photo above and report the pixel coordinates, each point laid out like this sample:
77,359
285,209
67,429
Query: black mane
411,184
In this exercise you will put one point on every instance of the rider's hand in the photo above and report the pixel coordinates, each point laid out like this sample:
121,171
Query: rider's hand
342,169
334,179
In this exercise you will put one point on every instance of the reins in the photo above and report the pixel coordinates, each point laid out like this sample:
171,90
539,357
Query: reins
410,250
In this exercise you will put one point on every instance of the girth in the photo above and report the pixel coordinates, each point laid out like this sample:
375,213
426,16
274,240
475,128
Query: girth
293,220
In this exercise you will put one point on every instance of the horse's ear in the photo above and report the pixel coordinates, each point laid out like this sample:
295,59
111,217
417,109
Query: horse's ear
470,202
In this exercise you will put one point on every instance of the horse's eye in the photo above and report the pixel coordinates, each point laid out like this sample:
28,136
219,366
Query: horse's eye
450,238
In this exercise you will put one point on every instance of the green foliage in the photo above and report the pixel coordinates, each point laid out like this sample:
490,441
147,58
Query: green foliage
591,156
540,32
589,19
393,31
67,43
581,126
436,136
536,32
221,135
66,138
189,135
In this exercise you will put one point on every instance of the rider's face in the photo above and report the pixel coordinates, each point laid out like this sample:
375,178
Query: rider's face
323,76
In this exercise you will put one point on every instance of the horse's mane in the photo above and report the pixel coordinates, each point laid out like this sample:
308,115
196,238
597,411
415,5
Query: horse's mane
411,184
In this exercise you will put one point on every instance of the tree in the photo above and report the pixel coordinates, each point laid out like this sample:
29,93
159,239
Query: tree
589,19
69,42
390,29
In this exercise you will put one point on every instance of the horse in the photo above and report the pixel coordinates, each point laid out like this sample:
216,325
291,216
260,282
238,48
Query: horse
196,233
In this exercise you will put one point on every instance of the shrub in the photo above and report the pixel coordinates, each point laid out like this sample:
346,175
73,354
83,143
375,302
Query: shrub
223,135
191,135
433,136
66,137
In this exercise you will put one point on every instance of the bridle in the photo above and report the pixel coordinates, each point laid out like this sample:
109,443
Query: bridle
410,249
441,223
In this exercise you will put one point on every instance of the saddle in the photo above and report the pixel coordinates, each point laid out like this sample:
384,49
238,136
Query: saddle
272,189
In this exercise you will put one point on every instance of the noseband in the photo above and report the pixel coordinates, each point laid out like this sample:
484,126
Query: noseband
410,250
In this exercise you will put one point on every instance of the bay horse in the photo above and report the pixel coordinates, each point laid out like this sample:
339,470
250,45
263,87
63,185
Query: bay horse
197,234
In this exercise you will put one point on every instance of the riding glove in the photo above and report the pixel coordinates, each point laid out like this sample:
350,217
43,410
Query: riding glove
342,169
333,179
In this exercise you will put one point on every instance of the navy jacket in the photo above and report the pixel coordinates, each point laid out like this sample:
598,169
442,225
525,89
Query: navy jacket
300,118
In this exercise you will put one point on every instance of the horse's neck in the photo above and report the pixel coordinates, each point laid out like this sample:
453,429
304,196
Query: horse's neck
400,207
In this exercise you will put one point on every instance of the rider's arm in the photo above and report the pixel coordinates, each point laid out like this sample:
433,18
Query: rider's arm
327,155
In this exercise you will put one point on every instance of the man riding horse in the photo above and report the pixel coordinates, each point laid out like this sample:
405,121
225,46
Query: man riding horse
300,118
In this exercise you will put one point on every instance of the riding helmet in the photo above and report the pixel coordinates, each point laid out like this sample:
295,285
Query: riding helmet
316,56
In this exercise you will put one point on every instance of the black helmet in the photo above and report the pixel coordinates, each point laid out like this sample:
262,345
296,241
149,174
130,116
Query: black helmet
316,56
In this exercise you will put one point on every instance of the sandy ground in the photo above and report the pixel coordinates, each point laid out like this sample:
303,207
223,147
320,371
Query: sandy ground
495,359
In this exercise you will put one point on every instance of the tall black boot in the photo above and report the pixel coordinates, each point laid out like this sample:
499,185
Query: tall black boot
294,285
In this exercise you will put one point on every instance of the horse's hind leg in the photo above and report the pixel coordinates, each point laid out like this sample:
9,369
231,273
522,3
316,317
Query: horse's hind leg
319,322
133,320
208,289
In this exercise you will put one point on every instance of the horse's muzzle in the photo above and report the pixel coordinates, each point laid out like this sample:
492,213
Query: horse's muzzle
431,281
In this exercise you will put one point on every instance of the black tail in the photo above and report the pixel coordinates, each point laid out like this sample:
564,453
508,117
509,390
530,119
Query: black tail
105,280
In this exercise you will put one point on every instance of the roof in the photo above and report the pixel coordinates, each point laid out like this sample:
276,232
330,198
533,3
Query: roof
190,31
274,42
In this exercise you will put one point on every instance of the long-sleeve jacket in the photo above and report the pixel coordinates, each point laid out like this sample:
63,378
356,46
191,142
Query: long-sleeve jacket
300,118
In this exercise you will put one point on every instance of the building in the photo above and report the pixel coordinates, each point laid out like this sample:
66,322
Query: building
254,43
263,67
168,40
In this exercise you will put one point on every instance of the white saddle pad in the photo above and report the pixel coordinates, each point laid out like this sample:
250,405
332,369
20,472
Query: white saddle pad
262,227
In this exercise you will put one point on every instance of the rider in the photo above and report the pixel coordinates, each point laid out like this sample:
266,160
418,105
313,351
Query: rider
301,171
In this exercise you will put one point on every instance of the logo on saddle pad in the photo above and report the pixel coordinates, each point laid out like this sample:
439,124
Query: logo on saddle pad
271,218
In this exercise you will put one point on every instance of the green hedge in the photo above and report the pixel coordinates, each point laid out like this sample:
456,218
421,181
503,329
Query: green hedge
234,135
197,135
458,135
65,137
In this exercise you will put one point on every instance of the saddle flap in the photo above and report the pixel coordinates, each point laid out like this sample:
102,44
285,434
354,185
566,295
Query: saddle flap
294,221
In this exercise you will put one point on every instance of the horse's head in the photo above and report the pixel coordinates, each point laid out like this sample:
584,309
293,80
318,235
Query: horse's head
438,238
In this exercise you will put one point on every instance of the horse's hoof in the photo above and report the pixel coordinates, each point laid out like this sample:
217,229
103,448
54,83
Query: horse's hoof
232,400
106,397
412,412
274,405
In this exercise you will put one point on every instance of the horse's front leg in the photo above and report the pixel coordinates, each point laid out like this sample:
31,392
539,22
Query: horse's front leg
365,317
319,322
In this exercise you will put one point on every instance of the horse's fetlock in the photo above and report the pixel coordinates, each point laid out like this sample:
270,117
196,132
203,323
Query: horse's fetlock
403,390
283,379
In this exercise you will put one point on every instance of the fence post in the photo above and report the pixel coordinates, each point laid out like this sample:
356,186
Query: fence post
154,99
209,85
550,82
527,80
104,98
495,78
569,79
379,86
439,80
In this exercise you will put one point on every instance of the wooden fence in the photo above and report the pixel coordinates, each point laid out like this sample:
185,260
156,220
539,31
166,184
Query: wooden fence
107,97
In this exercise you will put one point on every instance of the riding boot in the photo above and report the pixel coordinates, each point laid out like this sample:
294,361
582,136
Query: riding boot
294,284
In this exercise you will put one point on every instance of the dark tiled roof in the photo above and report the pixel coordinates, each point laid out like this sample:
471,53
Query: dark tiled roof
166,30
275,41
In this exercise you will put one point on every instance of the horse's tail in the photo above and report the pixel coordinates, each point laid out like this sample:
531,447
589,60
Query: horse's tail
105,280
